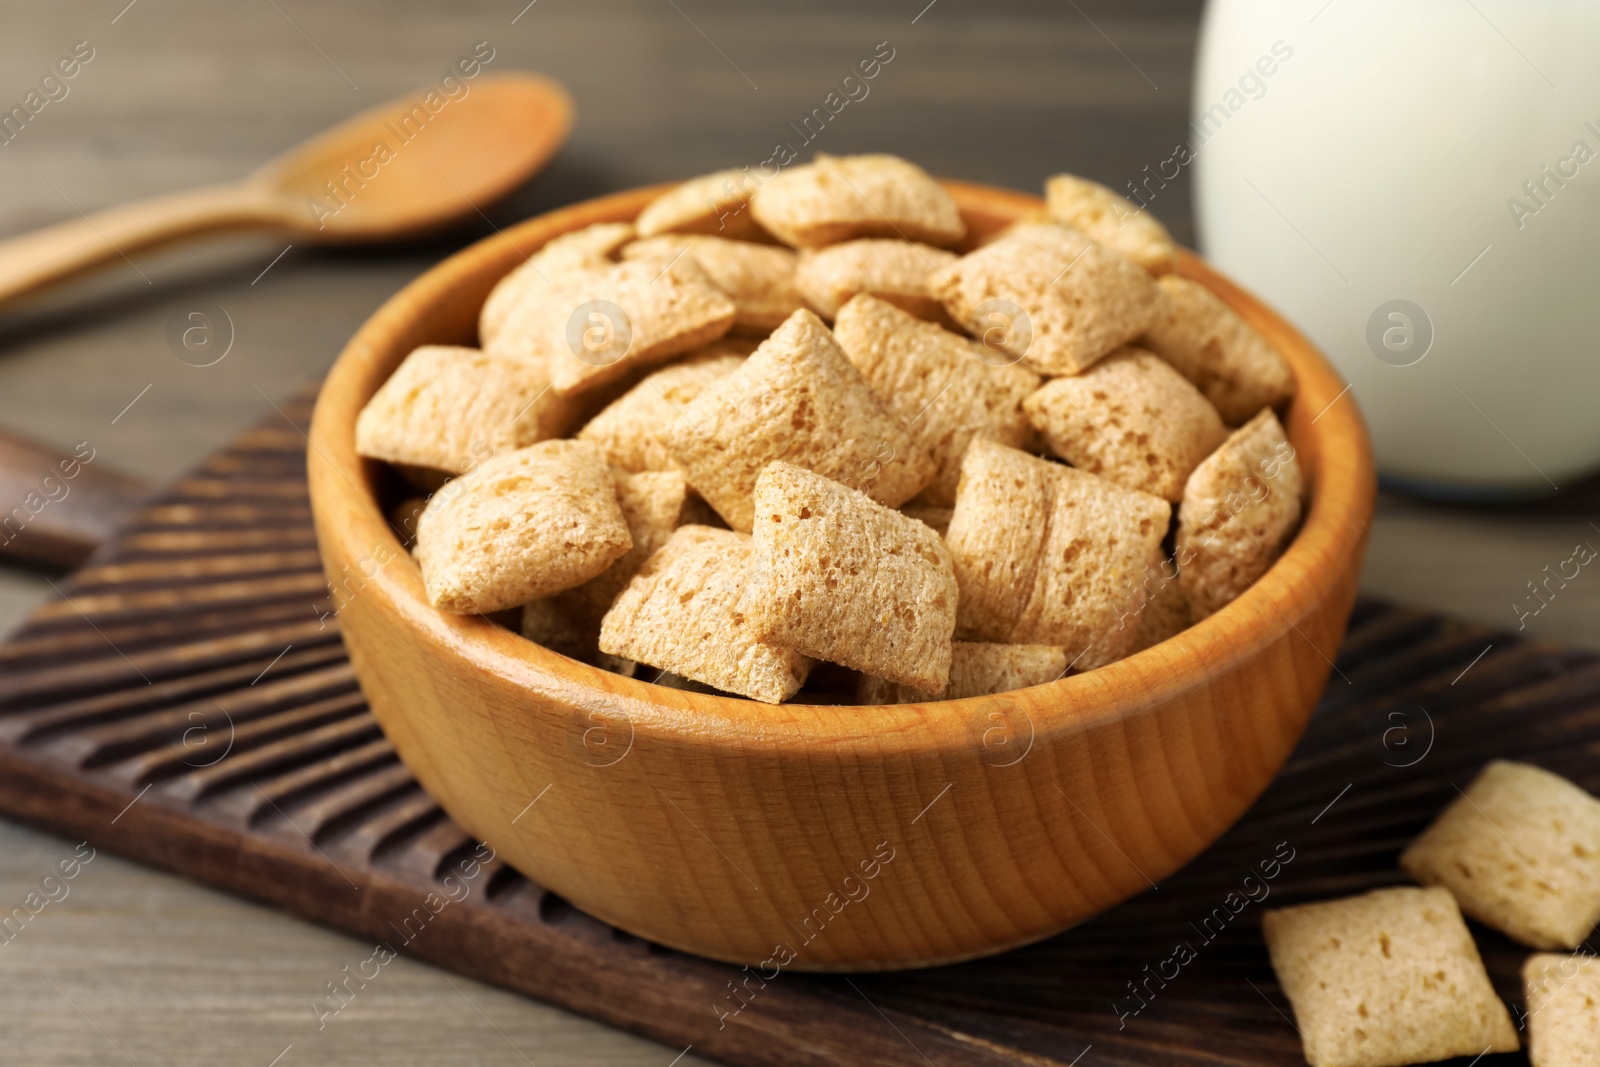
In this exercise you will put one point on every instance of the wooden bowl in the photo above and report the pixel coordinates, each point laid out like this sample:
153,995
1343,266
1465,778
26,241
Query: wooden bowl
833,838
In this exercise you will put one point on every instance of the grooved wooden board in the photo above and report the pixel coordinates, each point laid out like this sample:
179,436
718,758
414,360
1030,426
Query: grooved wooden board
188,704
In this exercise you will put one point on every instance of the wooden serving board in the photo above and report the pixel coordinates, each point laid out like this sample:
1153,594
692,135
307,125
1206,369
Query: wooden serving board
188,704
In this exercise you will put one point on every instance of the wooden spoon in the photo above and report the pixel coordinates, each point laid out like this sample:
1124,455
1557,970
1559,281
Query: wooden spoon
397,170
434,166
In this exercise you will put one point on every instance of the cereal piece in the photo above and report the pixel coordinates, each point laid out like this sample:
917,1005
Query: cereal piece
1027,217
1130,418
716,204
1163,612
588,248
651,504
1563,999
627,429
683,612
521,526
976,669
403,520
448,409
935,518
889,269
1520,849
995,534
1045,554
799,399
592,327
1218,351
845,579
1078,300
1386,978
836,198
1100,533
1240,510
759,279
1112,221
938,384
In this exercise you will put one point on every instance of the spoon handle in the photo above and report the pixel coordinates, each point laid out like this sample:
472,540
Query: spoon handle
55,253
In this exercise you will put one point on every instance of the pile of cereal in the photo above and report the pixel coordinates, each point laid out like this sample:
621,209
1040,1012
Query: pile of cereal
818,422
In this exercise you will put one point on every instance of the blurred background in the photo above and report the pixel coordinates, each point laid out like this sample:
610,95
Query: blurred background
181,93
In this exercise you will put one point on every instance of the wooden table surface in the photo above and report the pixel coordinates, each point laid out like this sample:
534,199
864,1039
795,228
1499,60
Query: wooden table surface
141,967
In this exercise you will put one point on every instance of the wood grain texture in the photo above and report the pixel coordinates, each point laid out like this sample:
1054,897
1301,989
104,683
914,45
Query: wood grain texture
115,727
718,826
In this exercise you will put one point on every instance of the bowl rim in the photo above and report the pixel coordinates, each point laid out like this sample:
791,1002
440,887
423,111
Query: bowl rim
1323,422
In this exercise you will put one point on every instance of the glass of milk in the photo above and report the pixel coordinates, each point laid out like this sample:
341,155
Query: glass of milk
1416,183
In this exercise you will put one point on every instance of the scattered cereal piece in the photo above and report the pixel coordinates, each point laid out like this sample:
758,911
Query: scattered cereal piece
592,327
1112,221
521,526
889,269
627,429
1077,300
836,198
976,669
585,249
759,279
449,409
684,612
1520,849
1045,554
939,385
845,579
1563,999
1386,978
799,399
1130,418
716,204
1218,351
1240,510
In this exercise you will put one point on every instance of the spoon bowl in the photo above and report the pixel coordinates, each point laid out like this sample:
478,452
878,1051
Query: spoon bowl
418,162
412,165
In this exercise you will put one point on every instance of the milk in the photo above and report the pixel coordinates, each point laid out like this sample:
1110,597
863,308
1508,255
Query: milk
1417,186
